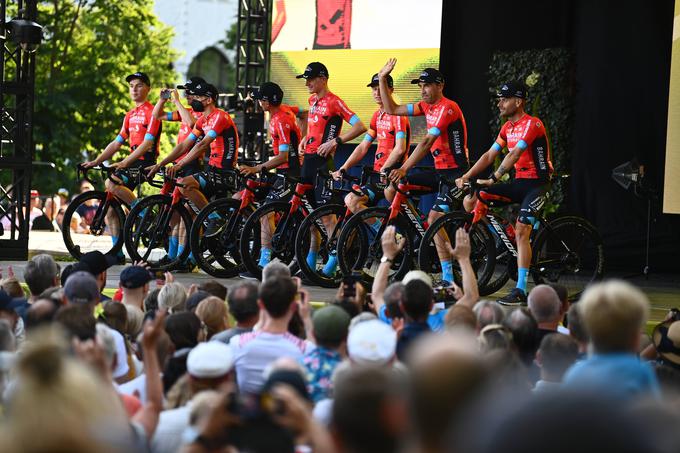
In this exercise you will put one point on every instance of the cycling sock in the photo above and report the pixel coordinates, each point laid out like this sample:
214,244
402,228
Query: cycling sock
522,277
311,259
173,245
265,256
376,225
447,271
114,239
214,216
331,265
134,202
180,248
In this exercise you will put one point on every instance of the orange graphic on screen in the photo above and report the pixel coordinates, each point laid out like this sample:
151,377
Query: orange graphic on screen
333,23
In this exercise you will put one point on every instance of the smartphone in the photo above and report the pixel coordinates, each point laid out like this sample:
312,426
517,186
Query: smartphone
349,285
165,94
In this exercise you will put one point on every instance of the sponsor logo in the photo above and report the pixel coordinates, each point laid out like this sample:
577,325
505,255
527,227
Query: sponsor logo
501,233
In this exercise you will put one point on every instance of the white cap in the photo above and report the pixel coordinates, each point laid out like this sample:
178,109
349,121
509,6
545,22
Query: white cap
211,359
372,342
417,275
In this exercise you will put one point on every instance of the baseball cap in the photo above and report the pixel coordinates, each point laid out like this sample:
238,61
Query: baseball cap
314,69
204,89
34,193
330,324
63,192
133,277
7,303
512,89
269,91
375,81
81,288
139,75
372,343
96,262
210,359
429,75
417,275
191,83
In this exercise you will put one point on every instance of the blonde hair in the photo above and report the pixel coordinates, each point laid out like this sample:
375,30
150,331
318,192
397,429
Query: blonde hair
172,296
213,312
135,320
67,401
12,287
614,313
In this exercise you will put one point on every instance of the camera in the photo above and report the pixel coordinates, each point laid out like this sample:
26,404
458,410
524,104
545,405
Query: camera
165,94
444,294
257,430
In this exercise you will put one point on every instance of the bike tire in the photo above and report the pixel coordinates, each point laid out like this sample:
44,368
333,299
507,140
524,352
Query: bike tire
360,250
219,254
144,234
328,244
283,239
78,244
482,254
568,251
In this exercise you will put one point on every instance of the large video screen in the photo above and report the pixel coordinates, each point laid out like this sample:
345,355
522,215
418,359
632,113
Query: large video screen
671,197
354,39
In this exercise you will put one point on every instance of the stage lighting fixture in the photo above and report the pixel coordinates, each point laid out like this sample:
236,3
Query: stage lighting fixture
26,33
628,173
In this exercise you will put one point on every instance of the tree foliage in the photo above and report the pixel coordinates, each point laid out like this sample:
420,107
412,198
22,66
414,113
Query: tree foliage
80,91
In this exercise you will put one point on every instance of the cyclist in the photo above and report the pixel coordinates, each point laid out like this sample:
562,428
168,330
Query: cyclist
446,140
393,133
187,118
324,123
286,137
529,152
219,135
142,131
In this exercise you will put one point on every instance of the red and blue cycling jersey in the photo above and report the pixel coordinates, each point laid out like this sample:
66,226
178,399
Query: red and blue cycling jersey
219,126
387,129
446,122
286,135
325,119
140,125
527,133
184,129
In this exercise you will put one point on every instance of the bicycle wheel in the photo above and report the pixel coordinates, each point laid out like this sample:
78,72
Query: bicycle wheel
149,226
568,251
87,214
482,253
218,254
312,226
360,249
281,228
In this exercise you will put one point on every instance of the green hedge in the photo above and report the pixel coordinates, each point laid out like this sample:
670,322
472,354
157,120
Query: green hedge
548,73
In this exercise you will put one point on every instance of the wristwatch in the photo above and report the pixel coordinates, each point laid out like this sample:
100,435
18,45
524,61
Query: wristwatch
338,140
385,259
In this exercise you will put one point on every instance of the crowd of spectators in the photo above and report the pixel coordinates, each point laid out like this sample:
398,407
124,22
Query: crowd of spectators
406,367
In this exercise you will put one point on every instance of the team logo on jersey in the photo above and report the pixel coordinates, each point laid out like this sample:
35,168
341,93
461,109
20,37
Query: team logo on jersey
450,111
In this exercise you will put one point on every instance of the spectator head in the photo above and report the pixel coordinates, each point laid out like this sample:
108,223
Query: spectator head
12,287
330,326
576,328
106,341
555,355
277,297
40,313
196,298
213,313
563,295
275,269
361,317
215,288
209,364
41,272
115,316
546,306
243,302
97,264
447,375
364,396
495,336
614,313
135,320
67,271
183,329
78,321
173,296
81,288
7,340
418,300
488,312
8,309
394,297
151,300
135,281
372,343
293,378
54,294
417,275
85,186
524,330
461,316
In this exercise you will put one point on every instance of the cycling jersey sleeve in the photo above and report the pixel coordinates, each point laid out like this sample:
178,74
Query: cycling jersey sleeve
125,129
283,134
372,133
502,139
348,115
401,127
152,129
220,126
533,129
295,109
446,117
174,116
197,131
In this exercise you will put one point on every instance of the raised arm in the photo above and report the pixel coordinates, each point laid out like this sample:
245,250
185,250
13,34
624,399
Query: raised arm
462,254
389,105
391,248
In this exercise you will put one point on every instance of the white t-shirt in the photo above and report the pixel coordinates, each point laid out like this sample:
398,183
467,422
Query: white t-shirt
254,351
122,367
